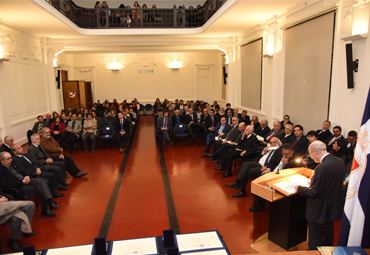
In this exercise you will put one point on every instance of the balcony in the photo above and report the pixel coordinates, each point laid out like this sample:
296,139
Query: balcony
141,18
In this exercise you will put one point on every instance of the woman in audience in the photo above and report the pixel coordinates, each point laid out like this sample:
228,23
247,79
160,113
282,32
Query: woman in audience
145,15
157,105
136,14
69,115
97,6
113,112
57,128
134,106
55,114
137,102
80,118
120,108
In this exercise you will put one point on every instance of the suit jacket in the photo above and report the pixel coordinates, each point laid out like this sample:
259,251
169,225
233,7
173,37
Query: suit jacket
232,135
36,126
181,117
23,166
126,125
8,179
77,127
325,194
301,147
279,134
188,118
273,161
324,136
88,127
218,127
228,119
256,126
38,156
262,132
246,120
249,144
289,139
99,122
6,148
48,122
50,146
161,123
350,151
208,121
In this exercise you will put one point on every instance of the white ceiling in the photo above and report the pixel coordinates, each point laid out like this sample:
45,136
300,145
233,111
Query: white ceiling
241,17
159,3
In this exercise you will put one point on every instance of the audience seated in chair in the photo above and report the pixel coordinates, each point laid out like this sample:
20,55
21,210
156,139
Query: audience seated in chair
164,127
89,131
74,129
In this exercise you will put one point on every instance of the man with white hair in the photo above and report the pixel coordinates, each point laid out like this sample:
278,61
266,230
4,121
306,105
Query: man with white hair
324,196
8,142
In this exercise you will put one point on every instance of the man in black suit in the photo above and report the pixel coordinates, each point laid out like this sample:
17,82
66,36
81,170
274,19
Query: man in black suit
164,127
351,145
157,116
324,196
324,133
8,142
285,122
39,124
191,117
264,129
229,116
25,167
255,123
211,121
122,126
38,156
245,118
300,143
177,118
248,143
228,140
63,119
337,144
310,163
48,119
221,128
269,159
275,132
10,178
289,135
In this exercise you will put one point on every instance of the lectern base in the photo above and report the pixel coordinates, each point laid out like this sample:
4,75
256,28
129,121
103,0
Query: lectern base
264,245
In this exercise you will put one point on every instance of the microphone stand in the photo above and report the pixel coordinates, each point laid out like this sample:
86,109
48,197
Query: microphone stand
296,160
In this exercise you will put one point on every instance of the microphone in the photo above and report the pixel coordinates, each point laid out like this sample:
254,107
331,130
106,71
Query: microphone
296,160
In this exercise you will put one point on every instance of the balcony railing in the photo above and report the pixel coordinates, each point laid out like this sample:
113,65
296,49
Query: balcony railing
105,18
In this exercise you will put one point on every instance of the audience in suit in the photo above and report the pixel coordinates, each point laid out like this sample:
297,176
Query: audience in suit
39,124
177,118
164,127
211,121
89,131
243,117
18,215
74,129
324,133
289,136
255,123
122,128
310,163
48,120
300,143
337,144
285,122
221,128
264,129
229,116
8,142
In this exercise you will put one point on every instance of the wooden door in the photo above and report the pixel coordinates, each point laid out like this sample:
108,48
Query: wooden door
64,75
71,94
88,94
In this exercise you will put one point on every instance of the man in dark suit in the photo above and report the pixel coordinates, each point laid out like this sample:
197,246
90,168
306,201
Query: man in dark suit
245,118
337,144
10,178
255,123
227,140
289,135
324,133
39,124
211,121
229,116
191,117
73,131
264,129
248,143
48,119
122,128
269,159
164,127
8,142
285,122
275,132
38,156
64,120
177,118
351,145
25,167
324,196
300,143
221,128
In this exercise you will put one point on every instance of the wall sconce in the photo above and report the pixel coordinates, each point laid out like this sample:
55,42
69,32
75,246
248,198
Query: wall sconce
114,65
268,46
360,23
175,65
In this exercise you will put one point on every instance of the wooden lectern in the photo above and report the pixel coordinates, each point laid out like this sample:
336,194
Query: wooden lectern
287,226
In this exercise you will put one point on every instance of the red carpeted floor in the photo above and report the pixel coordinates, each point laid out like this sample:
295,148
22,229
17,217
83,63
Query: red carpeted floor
201,200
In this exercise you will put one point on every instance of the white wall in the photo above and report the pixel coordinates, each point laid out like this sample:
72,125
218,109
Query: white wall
200,75
24,86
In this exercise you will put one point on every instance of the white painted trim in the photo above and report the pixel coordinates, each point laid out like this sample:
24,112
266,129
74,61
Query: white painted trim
17,122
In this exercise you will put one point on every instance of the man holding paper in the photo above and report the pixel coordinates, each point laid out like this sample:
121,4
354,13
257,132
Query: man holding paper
324,196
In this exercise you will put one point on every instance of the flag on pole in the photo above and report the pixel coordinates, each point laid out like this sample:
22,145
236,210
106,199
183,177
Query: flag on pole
355,228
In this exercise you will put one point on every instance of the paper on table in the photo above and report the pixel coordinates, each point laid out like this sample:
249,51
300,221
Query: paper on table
73,250
135,246
286,186
198,241
213,252
300,180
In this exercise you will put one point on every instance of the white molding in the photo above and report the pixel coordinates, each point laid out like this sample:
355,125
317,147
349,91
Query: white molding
34,117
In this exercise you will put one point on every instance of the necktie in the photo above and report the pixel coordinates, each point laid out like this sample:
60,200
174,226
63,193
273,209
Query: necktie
27,159
73,124
40,126
321,131
348,145
221,129
268,158
230,121
90,122
191,117
121,125
165,123
212,122
295,141
332,141
272,135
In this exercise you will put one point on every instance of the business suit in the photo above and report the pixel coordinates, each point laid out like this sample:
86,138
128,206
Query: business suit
191,118
252,169
232,135
90,130
10,178
210,139
248,144
177,120
288,138
229,119
245,119
38,156
350,151
75,125
324,135
278,134
256,126
324,201
25,167
4,147
166,133
122,125
38,126
208,122
300,146
262,131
